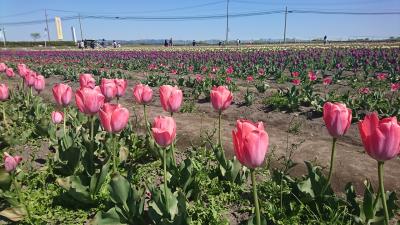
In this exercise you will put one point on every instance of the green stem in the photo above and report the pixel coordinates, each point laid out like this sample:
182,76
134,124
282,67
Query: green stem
165,176
382,189
92,128
65,118
219,128
91,151
4,116
146,121
255,196
332,162
173,153
31,92
114,154
18,190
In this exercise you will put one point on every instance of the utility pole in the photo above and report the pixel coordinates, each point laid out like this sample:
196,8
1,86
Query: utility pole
47,25
4,37
80,25
284,31
227,21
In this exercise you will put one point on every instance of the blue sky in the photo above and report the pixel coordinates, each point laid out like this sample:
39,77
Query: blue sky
303,26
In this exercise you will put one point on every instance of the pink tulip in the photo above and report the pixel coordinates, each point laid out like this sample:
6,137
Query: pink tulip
3,67
364,90
296,82
142,93
171,98
30,78
89,101
4,93
394,87
40,83
221,98
250,142
113,117
381,76
87,81
381,138
164,130
108,88
62,94
22,69
11,162
249,78
312,76
295,74
10,72
121,86
337,118
327,80
57,117
228,80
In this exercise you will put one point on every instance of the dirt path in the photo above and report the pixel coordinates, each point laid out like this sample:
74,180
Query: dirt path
352,164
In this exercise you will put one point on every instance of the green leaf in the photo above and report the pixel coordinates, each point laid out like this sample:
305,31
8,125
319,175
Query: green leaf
110,217
119,189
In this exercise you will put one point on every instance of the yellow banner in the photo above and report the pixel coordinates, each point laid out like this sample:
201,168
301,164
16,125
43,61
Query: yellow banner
59,28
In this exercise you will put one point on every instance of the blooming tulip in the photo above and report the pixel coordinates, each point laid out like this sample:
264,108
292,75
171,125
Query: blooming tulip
11,162
22,69
142,93
87,81
89,101
337,118
62,94
3,67
4,93
381,140
171,98
30,78
113,117
394,87
327,81
10,72
250,79
121,86
296,82
295,74
164,130
40,83
57,117
221,98
108,88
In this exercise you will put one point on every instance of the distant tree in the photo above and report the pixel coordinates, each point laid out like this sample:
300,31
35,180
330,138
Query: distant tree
35,36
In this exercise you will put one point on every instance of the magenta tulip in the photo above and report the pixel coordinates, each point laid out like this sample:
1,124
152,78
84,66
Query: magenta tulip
171,98
113,117
87,81
4,93
57,117
62,94
121,86
221,98
142,94
250,142
108,88
11,162
164,130
89,101
337,118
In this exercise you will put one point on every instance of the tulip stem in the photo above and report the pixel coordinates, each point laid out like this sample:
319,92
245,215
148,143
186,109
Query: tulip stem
114,154
219,128
65,118
4,117
165,177
146,121
255,196
382,189
172,147
334,140
18,190
92,143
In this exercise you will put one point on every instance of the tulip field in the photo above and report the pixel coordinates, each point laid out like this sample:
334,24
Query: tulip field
295,134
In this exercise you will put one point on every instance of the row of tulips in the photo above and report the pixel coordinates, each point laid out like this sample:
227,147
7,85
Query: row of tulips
381,138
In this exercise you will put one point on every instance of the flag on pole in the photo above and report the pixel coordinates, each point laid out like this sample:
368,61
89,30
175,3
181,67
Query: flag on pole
58,28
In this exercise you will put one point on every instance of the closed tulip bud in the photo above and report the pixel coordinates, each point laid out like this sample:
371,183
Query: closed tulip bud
3,67
87,81
4,93
57,117
221,98
121,86
40,83
22,69
164,130
171,98
113,117
337,118
250,142
10,72
62,94
142,94
11,162
381,138
89,101
30,78
108,88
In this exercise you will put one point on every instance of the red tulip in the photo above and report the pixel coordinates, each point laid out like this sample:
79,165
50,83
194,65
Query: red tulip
10,72
381,138
295,74
394,87
327,80
142,93
337,118
3,67
87,81
381,76
113,117
40,83
121,86
221,98
250,142
11,162
89,101
62,94
30,78
171,98
296,82
164,130
4,93
312,76
108,88
57,117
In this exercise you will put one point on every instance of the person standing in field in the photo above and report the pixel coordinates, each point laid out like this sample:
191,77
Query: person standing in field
165,43
170,42
325,39
194,43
